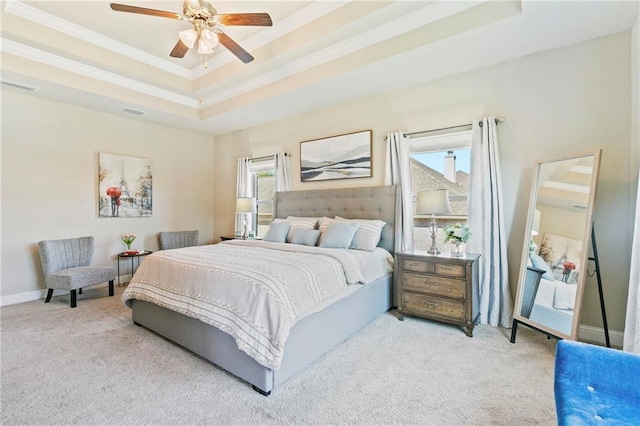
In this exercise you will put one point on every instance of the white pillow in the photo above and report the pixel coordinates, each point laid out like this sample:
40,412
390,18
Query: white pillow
565,295
296,223
368,234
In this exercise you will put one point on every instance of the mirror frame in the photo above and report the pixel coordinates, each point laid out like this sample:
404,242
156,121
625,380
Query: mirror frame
584,253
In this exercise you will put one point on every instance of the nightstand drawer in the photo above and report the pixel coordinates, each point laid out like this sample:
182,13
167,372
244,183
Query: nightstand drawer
434,284
450,270
437,268
417,265
433,306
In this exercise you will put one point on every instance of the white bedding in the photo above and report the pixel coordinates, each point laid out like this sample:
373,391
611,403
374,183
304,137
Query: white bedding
253,290
543,311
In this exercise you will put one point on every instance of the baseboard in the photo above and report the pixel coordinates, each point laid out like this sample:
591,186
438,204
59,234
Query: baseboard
30,296
27,296
587,333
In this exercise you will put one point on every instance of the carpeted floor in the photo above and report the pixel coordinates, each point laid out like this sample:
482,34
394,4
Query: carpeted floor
92,366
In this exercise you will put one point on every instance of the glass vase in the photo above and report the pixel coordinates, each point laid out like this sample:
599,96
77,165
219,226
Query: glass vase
456,251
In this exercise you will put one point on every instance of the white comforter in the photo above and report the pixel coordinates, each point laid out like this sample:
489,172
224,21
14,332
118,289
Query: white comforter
253,290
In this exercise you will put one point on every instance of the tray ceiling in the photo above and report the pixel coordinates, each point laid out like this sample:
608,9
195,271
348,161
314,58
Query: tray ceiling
317,54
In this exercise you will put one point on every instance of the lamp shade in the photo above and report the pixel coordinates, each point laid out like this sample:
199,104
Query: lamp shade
246,205
209,38
433,201
188,37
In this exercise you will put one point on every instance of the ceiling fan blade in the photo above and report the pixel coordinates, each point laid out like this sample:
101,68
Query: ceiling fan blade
254,19
144,11
234,47
179,50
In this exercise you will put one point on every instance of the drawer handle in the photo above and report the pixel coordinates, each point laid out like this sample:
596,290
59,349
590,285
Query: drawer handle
430,304
447,268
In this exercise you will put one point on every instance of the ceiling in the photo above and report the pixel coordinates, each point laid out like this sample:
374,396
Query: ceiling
316,55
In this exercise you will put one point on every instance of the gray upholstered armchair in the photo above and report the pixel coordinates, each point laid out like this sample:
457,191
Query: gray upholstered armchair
66,266
177,239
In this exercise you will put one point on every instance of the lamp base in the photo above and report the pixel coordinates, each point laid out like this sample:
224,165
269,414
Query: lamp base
434,249
245,223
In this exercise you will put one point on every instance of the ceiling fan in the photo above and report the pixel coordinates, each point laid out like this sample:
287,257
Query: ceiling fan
206,23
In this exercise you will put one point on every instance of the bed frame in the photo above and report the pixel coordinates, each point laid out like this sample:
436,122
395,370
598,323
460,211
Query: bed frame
313,335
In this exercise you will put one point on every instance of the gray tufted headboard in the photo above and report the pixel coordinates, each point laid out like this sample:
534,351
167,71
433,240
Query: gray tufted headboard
377,202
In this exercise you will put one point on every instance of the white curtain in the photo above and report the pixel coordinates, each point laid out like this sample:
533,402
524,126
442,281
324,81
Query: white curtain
632,323
486,222
398,173
244,188
283,172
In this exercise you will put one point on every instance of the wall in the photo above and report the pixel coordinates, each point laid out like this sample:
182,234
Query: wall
50,184
565,101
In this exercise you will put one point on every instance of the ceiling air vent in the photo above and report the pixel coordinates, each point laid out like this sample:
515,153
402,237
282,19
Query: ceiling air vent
132,111
19,86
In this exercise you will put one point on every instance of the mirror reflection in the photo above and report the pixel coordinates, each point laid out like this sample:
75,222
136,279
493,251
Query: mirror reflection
555,254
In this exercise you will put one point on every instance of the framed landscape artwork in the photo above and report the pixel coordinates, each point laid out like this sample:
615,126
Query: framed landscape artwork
125,186
336,157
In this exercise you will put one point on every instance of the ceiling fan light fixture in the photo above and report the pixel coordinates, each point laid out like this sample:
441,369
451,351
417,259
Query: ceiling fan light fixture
188,37
194,4
209,38
203,49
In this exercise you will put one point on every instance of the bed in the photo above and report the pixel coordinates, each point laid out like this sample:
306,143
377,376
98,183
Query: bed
551,295
334,321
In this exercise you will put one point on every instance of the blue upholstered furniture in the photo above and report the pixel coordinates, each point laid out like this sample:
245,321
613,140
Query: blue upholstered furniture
177,239
66,266
596,385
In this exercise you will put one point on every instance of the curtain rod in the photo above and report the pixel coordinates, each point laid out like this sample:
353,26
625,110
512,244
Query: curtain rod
422,132
267,157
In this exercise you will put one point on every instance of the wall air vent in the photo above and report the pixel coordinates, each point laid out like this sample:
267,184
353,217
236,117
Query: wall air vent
132,111
19,85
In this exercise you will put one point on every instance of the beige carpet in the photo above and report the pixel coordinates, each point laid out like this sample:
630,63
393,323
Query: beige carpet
92,366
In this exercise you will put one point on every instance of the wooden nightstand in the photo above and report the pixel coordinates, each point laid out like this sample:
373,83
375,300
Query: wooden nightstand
441,288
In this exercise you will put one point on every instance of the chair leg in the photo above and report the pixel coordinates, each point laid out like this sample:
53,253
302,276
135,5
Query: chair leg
80,290
49,294
73,298
111,288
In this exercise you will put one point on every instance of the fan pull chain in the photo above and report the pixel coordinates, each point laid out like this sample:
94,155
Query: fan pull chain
206,61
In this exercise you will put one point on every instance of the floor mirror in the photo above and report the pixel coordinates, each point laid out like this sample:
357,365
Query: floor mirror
553,267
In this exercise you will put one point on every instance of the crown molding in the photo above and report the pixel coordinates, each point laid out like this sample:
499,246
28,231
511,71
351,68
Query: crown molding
421,17
25,11
36,55
285,26
431,13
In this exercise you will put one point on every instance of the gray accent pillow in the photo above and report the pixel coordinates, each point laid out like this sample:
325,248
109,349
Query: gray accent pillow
306,237
296,223
339,235
539,263
277,232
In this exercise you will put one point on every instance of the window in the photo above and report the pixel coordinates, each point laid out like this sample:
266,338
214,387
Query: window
440,162
263,175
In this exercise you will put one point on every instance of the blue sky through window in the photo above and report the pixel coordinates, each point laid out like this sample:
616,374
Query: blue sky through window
435,160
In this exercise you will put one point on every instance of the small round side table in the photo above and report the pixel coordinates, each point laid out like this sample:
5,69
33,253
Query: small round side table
133,254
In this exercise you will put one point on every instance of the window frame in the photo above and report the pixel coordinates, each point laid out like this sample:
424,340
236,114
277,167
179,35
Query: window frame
257,166
440,142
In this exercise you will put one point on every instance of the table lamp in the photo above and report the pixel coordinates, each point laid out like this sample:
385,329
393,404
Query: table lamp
245,205
433,202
